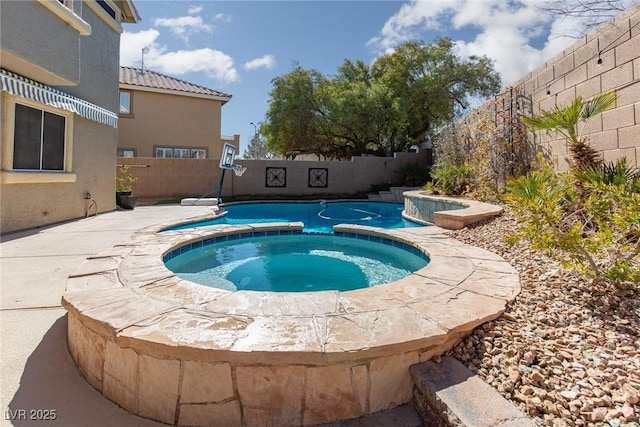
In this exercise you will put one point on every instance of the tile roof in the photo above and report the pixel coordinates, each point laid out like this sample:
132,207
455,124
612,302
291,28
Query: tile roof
153,80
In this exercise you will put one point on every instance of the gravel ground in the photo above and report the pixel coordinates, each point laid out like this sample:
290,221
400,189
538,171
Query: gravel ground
566,352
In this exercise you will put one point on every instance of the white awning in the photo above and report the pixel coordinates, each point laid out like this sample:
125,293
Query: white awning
18,85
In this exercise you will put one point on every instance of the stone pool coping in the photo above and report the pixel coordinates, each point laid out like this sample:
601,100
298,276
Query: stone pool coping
277,358
446,212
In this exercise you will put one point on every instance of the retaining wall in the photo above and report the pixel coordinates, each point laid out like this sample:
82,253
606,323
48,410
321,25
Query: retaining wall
446,212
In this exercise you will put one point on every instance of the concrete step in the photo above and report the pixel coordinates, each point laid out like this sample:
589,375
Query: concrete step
447,394
394,194
397,192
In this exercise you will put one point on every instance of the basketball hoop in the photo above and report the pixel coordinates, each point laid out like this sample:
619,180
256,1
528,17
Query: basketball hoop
228,153
226,162
239,169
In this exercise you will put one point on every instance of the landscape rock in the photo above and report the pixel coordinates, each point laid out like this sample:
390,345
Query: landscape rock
566,351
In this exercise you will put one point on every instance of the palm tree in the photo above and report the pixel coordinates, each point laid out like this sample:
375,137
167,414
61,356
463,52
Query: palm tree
566,120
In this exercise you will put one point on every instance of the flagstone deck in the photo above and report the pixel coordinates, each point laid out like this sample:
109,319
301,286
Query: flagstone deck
181,353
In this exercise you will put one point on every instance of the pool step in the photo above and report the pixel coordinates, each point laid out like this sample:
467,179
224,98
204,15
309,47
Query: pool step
447,394
394,194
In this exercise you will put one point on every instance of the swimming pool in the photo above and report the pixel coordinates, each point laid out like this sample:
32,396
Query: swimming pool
295,262
318,217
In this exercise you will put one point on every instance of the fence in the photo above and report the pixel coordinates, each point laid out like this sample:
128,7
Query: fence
178,178
606,60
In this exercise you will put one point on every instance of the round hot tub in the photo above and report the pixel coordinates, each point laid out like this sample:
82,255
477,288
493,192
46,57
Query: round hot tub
295,262
168,349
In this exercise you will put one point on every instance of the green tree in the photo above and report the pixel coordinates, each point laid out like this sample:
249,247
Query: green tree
257,149
386,107
589,219
431,84
290,118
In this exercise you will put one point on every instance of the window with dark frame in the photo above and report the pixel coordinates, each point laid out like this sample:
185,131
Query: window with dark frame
107,8
39,140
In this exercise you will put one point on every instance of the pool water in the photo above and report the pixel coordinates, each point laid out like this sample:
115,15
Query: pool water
297,263
317,216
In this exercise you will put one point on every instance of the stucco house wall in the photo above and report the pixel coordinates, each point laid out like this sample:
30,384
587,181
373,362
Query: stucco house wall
37,198
168,120
31,46
166,112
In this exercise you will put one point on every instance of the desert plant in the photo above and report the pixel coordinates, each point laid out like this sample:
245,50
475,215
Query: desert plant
569,121
598,235
449,179
618,173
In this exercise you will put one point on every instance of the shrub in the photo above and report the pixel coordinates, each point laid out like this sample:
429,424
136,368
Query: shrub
596,232
124,180
449,179
491,141
413,173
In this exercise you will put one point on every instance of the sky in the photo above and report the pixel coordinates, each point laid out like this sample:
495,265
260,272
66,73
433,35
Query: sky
240,46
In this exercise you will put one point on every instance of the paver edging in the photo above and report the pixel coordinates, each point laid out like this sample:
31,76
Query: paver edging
449,395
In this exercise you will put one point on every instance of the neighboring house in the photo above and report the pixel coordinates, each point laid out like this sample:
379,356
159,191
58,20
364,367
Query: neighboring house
59,104
165,117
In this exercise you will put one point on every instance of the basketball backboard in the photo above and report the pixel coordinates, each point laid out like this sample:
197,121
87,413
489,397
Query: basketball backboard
228,153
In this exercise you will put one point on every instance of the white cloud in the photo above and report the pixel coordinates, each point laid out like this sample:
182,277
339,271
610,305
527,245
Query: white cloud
491,14
131,45
557,40
222,17
410,19
194,10
502,31
513,57
213,63
184,26
265,61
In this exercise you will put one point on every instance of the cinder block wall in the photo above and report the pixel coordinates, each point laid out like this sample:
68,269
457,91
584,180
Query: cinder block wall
178,178
576,72
172,178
